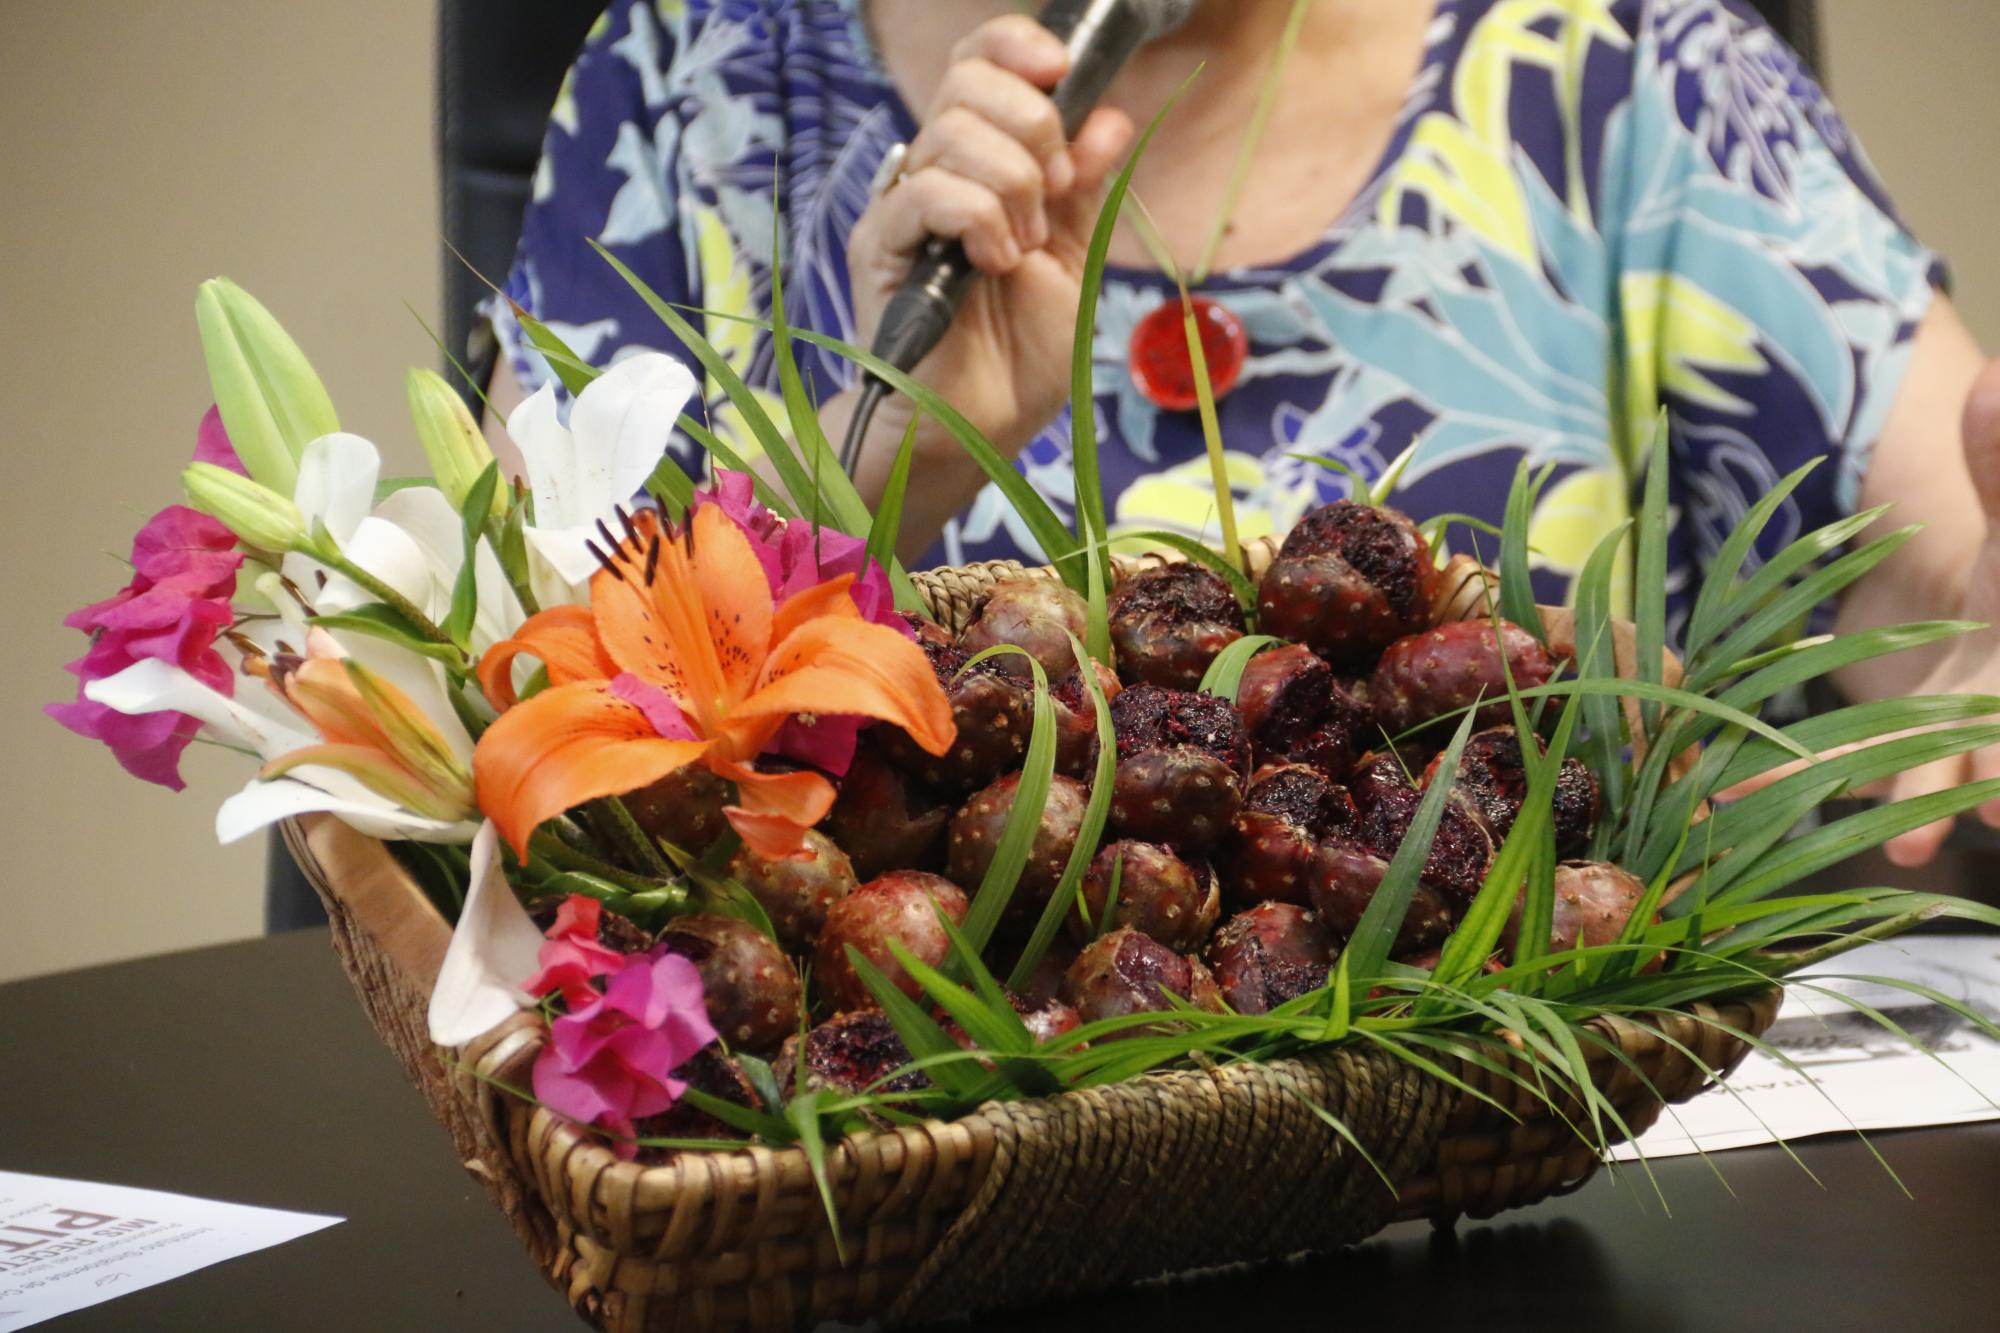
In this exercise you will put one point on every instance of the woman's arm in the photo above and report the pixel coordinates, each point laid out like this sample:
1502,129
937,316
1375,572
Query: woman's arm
1938,463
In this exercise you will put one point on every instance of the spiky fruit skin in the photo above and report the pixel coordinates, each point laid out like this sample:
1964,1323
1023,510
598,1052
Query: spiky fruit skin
1345,877
1127,972
1181,761
1159,894
886,820
1267,955
748,984
1593,901
1492,776
709,1071
796,893
1288,811
684,807
1294,709
896,906
1032,613
993,713
1076,720
1461,851
1424,676
846,1054
1043,983
976,830
1169,622
1349,580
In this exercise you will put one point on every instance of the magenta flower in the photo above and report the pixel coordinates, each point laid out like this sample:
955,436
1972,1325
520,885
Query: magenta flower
610,1062
796,556
572,957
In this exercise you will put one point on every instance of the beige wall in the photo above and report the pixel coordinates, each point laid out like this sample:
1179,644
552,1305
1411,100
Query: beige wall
149,145
1915,80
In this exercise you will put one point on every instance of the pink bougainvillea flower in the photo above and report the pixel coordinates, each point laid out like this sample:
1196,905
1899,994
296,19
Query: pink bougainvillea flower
610,1063
572,958
184,567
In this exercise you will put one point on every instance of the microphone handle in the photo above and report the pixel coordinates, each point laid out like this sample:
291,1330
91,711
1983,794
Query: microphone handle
1101,35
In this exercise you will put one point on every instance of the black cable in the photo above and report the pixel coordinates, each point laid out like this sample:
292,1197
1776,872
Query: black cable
873,391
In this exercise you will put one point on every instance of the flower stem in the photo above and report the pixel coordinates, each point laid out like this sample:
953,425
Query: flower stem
612,820
400,604
565,857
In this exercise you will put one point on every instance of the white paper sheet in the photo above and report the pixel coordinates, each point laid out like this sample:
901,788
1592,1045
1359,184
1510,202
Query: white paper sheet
66,1244
1851,1073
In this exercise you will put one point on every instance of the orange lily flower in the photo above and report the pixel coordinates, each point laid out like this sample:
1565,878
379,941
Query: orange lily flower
682,657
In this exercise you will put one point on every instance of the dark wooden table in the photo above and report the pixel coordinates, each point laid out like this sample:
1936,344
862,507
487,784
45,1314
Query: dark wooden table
247,1073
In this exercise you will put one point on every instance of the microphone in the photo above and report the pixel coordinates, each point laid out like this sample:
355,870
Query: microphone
1100,36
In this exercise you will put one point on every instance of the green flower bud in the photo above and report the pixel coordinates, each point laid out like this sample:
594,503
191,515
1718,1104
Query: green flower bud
451,439
272,403
257,514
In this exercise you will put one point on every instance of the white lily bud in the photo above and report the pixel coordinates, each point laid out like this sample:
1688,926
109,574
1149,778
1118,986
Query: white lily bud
272,403
256,513
451,439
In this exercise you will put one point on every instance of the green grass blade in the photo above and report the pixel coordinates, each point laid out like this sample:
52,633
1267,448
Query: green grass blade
1712,604
889,511
1517,589
571,370
1373,935
1225,672
1010,853
1096,812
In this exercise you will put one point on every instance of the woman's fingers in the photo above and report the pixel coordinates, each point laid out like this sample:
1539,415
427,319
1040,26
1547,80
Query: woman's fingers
1100,146
1015,106
969,146
1919,845
937,202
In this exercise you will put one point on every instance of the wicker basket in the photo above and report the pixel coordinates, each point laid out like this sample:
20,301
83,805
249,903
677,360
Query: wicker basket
1015,1203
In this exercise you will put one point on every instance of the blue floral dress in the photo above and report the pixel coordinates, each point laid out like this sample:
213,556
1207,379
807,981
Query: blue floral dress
1588,208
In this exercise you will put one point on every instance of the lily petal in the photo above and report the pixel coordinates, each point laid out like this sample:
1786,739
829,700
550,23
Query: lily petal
567,745
152,686
833,665
736,596
622,423
493,949
262,804
774,810
564,638
336,485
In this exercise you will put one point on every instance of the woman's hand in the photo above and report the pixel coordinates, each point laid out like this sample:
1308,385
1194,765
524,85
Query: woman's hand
990,168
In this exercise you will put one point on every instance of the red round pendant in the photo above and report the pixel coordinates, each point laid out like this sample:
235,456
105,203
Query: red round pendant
1161,366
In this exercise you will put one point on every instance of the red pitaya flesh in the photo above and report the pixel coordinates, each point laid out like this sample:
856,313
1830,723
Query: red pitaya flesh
1169,622
1271,953
1349,580
1288,812
1182,757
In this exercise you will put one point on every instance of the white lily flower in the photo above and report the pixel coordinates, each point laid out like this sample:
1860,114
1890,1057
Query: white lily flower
494,948
618,428
423,514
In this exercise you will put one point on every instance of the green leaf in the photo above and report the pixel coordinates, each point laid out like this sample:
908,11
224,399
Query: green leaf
803,1114
776,450
1059,545
380,621
1855,723
833,490
1782,613
1649,571
465,591
1603,719
919,1031
1024,816
1206,555
1225,672
1369,946
725,456
1090,515
1096,811
671,486
889,511
1096,607
1842,838
572,370
1517,589
1211,431
1719,579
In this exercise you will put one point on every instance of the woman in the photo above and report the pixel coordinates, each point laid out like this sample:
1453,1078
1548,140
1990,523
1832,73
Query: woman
1487,228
